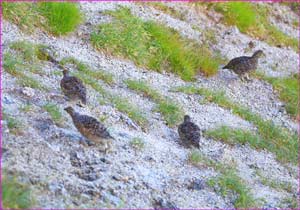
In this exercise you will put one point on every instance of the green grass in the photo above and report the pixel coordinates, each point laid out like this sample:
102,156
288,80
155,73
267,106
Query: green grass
289,202
133,112
16,66
58,18
153,45
25,15
14,125
196,158
167,10
276,184
252,19
230,182
137,143
28,81
54,112
274,138
170,111
227,181
62,17
84,68
288,89
27,108
15,194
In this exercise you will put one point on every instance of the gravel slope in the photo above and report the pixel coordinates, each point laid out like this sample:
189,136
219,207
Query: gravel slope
65,173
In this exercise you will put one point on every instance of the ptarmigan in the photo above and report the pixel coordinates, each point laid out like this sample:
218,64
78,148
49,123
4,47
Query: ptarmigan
91,128
244,64
73,88
189,132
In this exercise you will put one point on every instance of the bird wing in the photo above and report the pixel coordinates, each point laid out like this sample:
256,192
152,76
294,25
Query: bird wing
189,130
234,63
93,126
74,86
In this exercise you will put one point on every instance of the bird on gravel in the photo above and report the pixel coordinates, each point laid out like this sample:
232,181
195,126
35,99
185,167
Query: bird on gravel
91,129
244,64
73,88
189,132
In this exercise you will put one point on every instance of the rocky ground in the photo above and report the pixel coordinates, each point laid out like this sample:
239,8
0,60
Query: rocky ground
65,173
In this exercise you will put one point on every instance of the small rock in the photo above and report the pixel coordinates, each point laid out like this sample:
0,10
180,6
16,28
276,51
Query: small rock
29,92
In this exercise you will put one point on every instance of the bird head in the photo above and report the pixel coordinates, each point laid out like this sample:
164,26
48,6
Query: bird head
66,72
258,54
70,110
187,118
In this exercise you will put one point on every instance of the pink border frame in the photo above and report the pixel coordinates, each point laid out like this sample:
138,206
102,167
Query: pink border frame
267,1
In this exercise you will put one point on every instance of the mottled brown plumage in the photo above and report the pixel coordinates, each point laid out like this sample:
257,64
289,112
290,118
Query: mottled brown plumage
73,87
189,132
90,128
244,64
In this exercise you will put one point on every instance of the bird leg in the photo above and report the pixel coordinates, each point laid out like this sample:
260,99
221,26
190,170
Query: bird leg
247,78
242,78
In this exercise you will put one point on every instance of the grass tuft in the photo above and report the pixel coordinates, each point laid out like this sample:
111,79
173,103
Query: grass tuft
62,17
171,112
54,112
123,105
15,195
276,184
167,10
137,143
58,18
153,45
15,126
252,19
84,68
288,91
230,182
227,182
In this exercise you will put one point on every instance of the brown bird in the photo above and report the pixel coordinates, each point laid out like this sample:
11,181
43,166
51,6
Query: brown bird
73,88
189,132
244,64
91,129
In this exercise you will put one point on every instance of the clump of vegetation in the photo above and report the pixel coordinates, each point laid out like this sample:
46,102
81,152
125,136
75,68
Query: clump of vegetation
54,112
27,81
15,65
62,17
58,18
289,202
15,126
288,91
276,184
15,195
230,182
123,105
252,19
274,138
23,14
195,157
82,67
167,10
171,112
153,45
227,182
137,143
